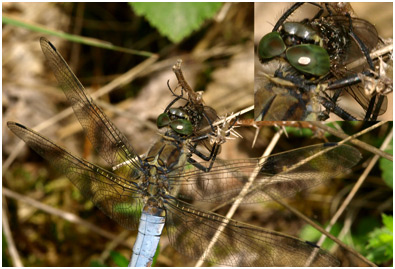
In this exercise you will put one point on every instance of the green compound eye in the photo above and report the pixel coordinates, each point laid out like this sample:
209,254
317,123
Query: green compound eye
182,126
305,33
178,112
310,59
271,45
162,120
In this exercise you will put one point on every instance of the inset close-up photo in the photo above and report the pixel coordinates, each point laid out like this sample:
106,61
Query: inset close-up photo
323,61
129,139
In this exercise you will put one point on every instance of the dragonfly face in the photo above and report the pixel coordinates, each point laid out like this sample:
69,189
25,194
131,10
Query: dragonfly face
159,180
314,46
193,120
302,45
313,53
187,120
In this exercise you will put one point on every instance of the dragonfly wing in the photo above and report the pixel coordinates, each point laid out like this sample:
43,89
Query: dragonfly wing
117,197
190,231
108,141
358,93
279,175
364,30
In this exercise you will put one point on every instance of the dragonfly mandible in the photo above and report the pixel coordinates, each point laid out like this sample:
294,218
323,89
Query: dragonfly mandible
303,60
147,192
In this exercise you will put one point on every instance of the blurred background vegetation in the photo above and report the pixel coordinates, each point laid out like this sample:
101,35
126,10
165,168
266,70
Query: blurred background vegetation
217,54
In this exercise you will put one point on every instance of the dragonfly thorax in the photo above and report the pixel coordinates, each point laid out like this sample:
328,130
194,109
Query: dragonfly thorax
166,154
163,157
334,37
154,207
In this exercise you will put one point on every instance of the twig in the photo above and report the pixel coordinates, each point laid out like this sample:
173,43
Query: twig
227,119
300,124
119,239
375,54
348,221
356,142
356,187
240,197
65,215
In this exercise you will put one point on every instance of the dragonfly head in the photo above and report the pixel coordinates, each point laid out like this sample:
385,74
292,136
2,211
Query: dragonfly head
300,45
177,120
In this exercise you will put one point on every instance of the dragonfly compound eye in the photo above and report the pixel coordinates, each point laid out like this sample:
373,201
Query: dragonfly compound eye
310,59
162,120
178,112
297,33
182,126
271,45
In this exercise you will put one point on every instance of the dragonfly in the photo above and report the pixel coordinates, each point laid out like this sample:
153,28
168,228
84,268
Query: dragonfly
150,191
311,57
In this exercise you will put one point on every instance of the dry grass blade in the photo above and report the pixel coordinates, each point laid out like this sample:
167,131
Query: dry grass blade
239,198
9,19
356,187
356,141
65,215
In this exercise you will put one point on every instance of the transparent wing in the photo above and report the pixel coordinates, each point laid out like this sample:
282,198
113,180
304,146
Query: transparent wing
190,232
368,35
358,93
280,175
365,31
108,141
117,197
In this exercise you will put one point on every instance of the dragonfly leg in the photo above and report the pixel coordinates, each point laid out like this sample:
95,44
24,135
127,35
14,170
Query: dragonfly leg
374,106
378,106
331,106
209,121
211,158
366,53
178,96
361,45
213,152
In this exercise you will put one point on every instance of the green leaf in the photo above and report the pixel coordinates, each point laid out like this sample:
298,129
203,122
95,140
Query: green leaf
309,233
380,243
155,256
176,20
299,132
388,222
360,232
386,167
119,259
